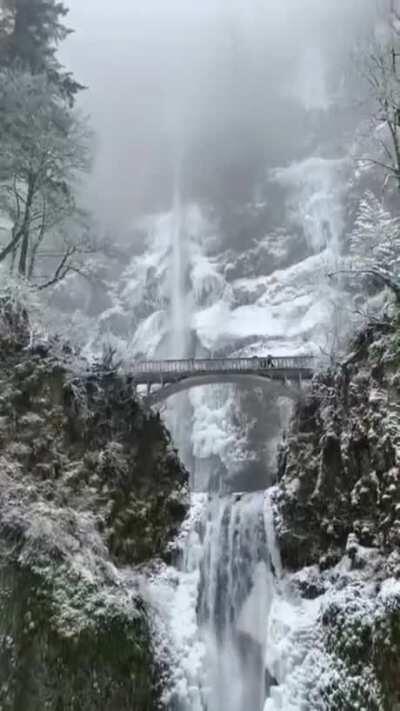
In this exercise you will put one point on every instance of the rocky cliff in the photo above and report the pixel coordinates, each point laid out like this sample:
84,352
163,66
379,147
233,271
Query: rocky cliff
90,490
338,520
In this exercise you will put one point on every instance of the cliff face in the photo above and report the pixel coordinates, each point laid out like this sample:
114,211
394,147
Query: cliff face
90,489
338,519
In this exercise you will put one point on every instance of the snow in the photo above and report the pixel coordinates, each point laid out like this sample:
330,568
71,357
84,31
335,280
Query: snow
207,282
172,596
85,585
298,655
292,635
287,304
148,336
315,201
376,396
390,589
217,428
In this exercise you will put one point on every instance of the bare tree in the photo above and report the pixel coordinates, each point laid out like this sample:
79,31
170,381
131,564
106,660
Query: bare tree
381,68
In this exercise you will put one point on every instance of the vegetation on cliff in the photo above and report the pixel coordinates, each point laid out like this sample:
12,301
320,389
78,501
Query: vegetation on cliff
338,518
89,486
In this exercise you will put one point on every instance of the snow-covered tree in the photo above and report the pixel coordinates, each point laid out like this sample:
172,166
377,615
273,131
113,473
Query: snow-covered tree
7,22
44,150
30,32
375,244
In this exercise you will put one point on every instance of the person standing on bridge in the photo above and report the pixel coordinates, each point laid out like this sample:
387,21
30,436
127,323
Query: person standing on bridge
270,362
267,362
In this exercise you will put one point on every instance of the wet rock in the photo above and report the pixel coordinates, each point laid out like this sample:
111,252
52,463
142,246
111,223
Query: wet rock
341,459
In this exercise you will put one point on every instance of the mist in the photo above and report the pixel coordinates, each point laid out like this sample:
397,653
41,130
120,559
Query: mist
224,92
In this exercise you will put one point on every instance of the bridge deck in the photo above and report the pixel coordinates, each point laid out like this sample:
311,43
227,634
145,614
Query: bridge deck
169,371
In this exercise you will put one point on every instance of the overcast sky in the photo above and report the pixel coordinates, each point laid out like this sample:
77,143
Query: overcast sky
208,82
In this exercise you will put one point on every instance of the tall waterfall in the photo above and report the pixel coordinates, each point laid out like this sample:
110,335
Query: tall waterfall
179,317
228,630
221,608
228,561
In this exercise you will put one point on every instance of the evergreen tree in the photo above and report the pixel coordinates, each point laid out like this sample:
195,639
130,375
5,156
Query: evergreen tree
44,149
374,246
30,34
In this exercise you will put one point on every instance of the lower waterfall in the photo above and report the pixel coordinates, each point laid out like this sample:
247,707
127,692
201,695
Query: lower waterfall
235,592
212,613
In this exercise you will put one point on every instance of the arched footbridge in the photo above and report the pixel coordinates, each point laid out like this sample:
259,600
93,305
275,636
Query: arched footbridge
163,378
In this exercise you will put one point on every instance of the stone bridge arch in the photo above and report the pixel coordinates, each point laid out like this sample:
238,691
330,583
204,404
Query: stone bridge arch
164,378
163,392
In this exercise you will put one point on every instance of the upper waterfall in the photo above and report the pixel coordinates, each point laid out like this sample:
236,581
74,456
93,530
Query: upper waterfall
180,315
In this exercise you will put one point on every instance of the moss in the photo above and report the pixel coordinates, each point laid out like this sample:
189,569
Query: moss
107,666
362,636
386,655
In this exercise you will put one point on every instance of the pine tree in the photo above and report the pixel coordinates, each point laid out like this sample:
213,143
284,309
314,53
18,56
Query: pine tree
375,244
32,31
375,240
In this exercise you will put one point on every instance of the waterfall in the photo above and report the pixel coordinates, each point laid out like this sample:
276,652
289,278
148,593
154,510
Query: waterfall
212,613
222,611
232,567
236,591
179,319
226,628
178,411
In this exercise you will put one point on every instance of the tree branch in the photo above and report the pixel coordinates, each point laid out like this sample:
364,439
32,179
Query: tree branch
61,271
389,168
11,245
386,280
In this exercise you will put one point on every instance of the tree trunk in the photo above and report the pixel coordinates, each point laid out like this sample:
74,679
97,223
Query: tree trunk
25,228
11,247
396,146
13,259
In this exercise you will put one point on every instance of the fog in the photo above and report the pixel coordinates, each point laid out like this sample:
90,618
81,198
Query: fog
223,89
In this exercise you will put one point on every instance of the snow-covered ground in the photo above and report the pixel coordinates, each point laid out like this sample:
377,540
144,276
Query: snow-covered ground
300,656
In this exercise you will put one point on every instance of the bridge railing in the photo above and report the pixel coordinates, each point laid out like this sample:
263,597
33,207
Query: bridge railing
209,365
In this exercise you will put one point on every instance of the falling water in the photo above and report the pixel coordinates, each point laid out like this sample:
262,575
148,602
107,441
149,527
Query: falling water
227,577
231,575
219,611
229,571
179,320
236,590
178,414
